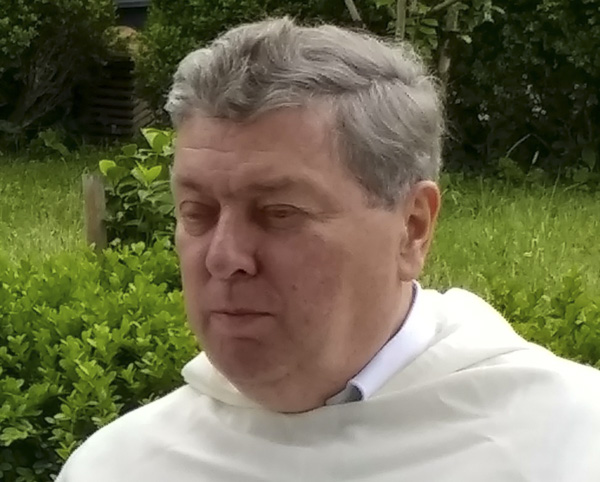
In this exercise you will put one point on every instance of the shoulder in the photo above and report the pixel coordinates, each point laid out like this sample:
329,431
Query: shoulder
571,384
541,410
130,437
569,400
534,374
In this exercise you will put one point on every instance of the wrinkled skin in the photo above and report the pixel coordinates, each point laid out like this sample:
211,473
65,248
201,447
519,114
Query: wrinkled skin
292,280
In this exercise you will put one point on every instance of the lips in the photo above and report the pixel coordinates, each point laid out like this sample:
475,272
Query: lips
240,323
240,312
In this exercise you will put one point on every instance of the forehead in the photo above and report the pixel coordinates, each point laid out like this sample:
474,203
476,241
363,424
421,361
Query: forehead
289,128
287,144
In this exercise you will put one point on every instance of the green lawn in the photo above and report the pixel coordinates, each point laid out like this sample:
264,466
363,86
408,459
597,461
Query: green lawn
41,208
533,235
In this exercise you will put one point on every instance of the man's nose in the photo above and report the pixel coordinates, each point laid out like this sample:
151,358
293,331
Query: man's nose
231,251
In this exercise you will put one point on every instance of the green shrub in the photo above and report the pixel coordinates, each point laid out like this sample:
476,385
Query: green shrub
83,339
568,323
138,195
48,52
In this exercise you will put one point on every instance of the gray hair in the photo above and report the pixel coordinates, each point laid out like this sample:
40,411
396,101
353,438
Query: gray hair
387,109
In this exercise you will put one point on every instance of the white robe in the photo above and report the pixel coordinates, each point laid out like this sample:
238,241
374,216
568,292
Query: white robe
479,405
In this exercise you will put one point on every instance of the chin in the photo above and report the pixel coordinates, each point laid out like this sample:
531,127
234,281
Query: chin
243,361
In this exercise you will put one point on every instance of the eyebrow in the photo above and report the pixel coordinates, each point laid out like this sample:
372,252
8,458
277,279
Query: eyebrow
264,187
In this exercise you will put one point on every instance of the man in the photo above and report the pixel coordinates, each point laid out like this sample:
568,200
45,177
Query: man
304,182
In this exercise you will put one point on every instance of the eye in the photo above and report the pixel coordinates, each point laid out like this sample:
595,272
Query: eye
197,217
280,215
280,211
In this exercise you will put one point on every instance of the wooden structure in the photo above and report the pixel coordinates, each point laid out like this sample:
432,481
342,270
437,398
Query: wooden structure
114,110
94,208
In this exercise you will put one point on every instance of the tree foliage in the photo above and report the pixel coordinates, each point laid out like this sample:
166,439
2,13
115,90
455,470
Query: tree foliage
428,23
526,89
48,49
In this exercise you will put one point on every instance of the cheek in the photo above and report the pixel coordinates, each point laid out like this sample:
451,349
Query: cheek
191,252
310,273
193,273
333,282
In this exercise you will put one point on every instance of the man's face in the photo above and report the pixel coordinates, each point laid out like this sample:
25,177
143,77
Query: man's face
289,276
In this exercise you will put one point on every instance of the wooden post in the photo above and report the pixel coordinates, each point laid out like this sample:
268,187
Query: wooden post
400,32
94,211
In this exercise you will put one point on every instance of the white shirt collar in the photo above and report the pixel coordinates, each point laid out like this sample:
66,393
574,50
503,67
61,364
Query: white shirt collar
410,341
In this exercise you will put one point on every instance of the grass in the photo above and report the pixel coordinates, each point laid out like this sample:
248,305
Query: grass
531,234
41,207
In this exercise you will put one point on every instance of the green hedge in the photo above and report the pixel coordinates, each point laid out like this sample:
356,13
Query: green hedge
84,339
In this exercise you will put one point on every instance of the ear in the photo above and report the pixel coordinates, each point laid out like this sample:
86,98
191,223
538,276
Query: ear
420,212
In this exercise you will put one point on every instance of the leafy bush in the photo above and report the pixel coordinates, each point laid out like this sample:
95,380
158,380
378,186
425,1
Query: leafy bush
567,323
48,51
139,202
83,339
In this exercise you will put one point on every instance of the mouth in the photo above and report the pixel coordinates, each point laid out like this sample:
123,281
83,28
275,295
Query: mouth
240,312
240,323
